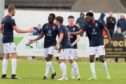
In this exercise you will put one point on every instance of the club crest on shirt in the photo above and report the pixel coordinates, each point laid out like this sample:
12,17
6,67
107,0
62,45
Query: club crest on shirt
54,27
89,25
73,29
96,24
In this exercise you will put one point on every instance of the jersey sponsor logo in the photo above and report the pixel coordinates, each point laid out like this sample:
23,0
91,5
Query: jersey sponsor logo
94,32
49,33
96,24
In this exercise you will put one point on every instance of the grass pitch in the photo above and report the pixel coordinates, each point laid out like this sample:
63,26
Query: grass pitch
31,72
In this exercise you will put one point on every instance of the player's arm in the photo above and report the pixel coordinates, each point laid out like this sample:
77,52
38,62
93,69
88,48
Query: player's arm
59,41
108,34
1,27
76,41
36,39
19,30
78,32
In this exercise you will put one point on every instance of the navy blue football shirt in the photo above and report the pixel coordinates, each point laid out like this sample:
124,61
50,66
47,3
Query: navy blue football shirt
50,31
94,33
65,42
73,28
8,23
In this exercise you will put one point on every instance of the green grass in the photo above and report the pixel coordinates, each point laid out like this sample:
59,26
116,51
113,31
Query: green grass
31,72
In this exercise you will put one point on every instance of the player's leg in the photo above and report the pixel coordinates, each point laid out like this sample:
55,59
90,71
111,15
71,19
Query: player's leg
101,51
92,63
4,65
14,60
75,69
48,59
47,69
49,66
72,68
72,71
5,59
14,65
62,62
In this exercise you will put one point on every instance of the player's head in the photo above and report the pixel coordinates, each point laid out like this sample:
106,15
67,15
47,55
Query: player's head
39,26
51,17
81,14
110,13
122,16
11,9
59,20
71,20
89,16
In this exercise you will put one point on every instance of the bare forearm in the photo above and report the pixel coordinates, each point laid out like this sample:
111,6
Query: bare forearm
1,27
22,31
60,39
77,33
38,38
75,42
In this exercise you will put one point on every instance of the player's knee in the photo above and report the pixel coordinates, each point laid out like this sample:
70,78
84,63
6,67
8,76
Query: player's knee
91,58
102,59
49,58
57,58
71,61
6,56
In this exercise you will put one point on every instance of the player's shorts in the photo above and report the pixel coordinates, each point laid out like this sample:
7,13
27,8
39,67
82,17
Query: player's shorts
56,53
9,47
66,54
75,53
49,50
98,50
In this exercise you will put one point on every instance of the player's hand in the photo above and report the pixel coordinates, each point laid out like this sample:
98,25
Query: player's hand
31,41
57,46
72,44
69,34
31,30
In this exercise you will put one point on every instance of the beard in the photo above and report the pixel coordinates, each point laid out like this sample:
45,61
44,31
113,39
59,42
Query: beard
13,14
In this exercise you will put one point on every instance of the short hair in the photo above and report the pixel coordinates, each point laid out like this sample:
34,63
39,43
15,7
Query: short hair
70,17
52,14
90,14
11,7
59,19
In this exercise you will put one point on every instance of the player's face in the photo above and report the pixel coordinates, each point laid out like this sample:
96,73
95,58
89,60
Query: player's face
71,21
51,18
13,12
89,19
56,22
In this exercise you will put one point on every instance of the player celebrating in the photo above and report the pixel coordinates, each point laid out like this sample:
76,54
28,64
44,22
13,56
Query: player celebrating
94,29
74,39
66,48
7,26
50,31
